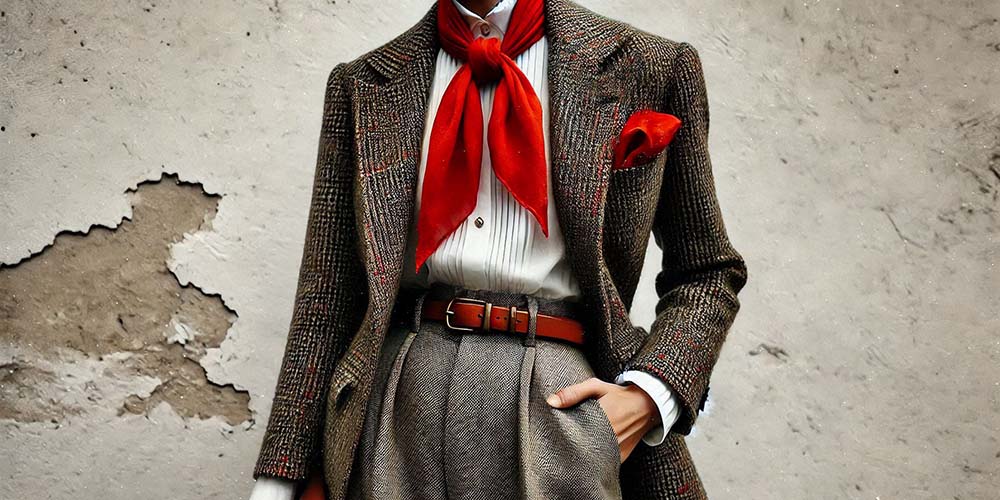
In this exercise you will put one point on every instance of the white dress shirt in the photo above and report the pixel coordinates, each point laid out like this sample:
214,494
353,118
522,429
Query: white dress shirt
500,246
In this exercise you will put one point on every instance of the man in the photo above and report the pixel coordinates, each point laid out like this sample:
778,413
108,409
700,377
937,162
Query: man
468,170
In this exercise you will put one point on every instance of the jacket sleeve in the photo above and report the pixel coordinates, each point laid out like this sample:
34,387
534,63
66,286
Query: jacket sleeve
701,273
329,300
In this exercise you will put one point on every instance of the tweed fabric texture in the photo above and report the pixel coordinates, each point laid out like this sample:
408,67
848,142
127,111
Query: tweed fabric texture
324,308
600,71
463,416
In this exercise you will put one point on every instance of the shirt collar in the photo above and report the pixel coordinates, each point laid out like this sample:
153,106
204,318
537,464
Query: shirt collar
498,17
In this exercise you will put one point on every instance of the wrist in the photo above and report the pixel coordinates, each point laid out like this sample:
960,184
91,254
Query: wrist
647,404
665,402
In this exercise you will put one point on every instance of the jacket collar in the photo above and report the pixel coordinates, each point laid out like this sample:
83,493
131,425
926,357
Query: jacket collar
574,35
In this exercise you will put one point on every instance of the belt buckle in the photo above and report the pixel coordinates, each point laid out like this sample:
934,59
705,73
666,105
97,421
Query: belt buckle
448,313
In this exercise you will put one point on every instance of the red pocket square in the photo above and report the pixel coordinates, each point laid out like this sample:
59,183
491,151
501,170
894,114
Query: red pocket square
645,135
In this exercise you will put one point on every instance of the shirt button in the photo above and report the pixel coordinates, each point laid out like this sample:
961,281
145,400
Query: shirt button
484,29
479,222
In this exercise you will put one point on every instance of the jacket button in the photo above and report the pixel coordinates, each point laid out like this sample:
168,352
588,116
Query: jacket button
479,222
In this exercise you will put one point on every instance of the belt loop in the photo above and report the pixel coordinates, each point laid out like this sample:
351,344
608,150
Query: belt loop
529,338
418,309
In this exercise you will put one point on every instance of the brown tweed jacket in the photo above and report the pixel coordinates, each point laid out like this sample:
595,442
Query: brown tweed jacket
600,71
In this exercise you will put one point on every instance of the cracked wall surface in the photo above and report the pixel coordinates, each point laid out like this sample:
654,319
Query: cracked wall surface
109,292
155,169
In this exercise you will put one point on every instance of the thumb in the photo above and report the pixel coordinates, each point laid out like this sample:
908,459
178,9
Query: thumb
573,394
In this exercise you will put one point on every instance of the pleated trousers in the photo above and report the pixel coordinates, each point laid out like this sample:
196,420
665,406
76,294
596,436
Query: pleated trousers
462,415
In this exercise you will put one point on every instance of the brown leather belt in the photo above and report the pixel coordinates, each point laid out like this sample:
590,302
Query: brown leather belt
467,314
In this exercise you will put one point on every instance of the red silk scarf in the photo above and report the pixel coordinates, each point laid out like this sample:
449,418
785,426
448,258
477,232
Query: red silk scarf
514,134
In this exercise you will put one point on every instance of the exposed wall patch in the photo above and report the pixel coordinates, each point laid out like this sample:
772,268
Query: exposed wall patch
109,291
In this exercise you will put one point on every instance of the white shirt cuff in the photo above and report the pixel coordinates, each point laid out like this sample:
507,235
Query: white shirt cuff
661,395
273,488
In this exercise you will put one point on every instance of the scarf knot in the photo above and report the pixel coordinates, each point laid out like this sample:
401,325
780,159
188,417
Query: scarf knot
485,59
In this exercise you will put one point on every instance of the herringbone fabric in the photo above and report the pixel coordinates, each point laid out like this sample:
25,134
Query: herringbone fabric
600,71
464,417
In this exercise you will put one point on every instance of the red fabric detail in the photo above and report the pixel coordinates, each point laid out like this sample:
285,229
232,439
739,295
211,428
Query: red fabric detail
315,489
646,133
514,133
486,60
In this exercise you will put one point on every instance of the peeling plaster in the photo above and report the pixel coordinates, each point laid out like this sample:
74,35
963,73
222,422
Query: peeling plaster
108,291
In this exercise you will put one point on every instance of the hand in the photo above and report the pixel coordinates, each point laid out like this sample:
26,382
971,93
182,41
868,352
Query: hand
630,410
270,488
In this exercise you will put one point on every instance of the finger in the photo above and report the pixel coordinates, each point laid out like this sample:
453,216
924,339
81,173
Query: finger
573,394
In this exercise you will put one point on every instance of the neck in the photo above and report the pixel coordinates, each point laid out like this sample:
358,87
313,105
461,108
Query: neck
481,7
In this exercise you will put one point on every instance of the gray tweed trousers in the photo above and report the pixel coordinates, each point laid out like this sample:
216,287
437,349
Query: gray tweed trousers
462,416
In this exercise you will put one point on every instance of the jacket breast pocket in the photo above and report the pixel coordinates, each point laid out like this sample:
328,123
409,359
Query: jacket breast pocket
632,196
639,182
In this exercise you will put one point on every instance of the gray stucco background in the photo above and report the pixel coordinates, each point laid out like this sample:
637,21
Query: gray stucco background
155,170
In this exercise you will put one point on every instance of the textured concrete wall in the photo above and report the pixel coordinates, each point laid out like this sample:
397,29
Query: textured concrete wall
155,167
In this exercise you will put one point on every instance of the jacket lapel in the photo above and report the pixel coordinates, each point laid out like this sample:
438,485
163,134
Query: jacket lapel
589,101
584,116
389,117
